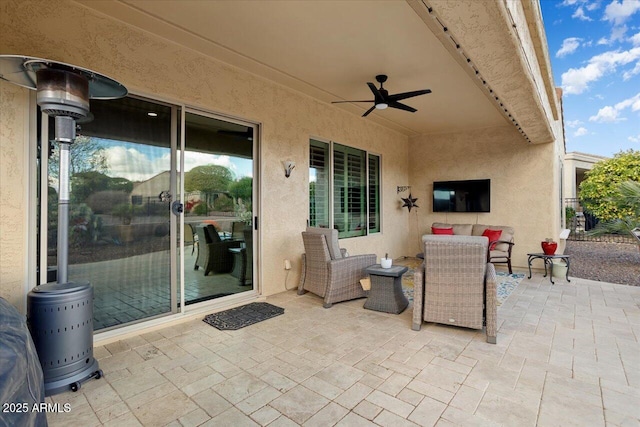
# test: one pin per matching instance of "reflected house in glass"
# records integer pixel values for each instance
(149, 190)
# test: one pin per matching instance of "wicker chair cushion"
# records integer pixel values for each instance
(499, 254)
(331, 236)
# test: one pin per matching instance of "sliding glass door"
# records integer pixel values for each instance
(120, 230)
(133, 162)
(218, 206)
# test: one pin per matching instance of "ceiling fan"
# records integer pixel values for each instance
(382, 99)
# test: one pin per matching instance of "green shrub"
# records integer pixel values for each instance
(599, 190)
(124, 211)
(200, 209)
(102, 202)
(84, 226)
(223, 203)
(569, 212)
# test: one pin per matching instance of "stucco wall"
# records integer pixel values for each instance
(14, 118)
(160, 69)
(524, 194)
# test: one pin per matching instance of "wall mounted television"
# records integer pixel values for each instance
(462, 196)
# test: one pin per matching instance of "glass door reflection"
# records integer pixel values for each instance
(218, 207)
(120, 228)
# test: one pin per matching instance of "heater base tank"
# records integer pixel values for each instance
(60, 318)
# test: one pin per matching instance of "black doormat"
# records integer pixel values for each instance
(245, 315)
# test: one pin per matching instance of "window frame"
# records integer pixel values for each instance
(330, 149)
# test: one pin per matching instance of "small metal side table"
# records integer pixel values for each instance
(548, 260)
(386, 289)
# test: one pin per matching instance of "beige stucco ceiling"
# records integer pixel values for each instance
(328, 50)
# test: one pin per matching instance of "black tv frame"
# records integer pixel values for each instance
(472, 196)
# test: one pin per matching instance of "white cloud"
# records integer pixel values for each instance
(618, 11)
(606, 114)
(579, 14)
(569, 46)
(609, 114)
(580, 6)
(617, 34)
(135, 165)
(635, 39)
(193, 159)
(634, 138)
(580, 132)
(577, 80)
(593, 6)
(573, 123)
(628, 74)
(633, 102)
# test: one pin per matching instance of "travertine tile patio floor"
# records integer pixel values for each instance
(566, 355)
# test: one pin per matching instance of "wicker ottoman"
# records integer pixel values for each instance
(386, 289)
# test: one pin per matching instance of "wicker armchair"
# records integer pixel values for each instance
(326, 272)
(456, 285)
(213, 253)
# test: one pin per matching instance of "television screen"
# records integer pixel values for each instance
(462, 196)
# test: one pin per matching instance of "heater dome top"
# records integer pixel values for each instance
(21, 70)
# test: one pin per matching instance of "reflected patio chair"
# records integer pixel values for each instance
(455, 284)
(213, 253)
(243, 259)
(327, 272)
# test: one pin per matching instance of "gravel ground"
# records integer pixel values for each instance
(605, 262)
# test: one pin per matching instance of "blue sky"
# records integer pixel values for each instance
(594, 46)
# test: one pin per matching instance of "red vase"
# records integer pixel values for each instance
(549, 248)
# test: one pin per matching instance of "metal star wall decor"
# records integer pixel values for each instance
(410, 202)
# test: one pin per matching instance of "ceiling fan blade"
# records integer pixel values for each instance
(405, 95)
(376, 93)
(368, 111)
(341, 102)
(398, 105)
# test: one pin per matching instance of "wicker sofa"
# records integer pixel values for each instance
(456, 285)
(500, 252)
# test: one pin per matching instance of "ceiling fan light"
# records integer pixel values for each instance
(381, 106)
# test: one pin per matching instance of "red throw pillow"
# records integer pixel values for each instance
(435, 230)
(493, 235)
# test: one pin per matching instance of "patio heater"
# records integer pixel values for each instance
(60, 314)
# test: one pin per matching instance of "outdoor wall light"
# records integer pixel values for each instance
(288, 167)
